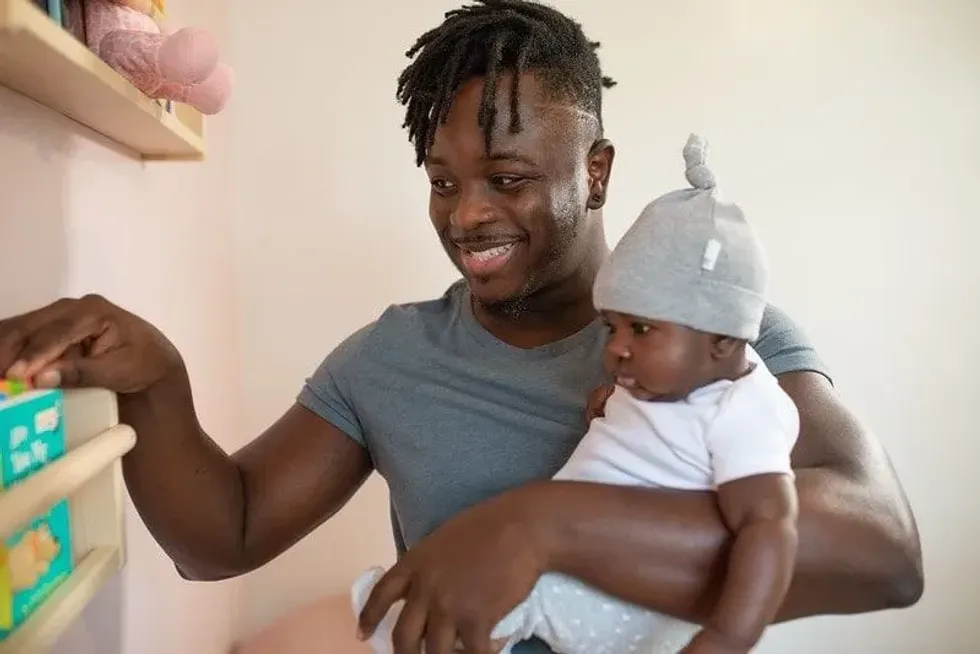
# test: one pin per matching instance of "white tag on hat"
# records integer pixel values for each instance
(711, 252)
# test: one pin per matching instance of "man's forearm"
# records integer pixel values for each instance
(188, 492)
(668, 550)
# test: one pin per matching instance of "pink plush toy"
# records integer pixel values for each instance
(182, 66)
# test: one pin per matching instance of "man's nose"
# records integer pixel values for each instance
(472, 210)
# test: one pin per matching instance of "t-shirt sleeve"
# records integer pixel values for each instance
(785, 347)
(753, 432)
(327, 393)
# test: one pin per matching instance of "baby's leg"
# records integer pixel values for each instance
(575, 618)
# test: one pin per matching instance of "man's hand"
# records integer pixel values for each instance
(461, 580)
(85, 342)
(596, 408)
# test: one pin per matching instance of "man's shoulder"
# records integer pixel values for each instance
(402, 319)
(438, 308)
(785, 347)
(406, 324)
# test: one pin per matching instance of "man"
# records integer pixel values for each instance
(466, 404)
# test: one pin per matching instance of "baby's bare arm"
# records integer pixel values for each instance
(761, 512)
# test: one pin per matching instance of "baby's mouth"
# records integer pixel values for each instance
(626, 382)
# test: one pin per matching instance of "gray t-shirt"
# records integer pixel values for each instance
(451, 416)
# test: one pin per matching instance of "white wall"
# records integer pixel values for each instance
(848, 130)
(77, 217)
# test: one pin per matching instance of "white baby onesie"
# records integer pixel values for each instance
(721, 432)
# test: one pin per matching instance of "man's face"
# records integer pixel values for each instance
(515, 221)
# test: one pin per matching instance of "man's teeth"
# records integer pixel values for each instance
(486, 255)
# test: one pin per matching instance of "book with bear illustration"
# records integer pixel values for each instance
(38, 558)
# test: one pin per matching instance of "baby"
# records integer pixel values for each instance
(693, 407)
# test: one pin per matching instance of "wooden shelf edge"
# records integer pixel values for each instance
(41, 631)
(81, 76)
(59, 479)
(178, 127)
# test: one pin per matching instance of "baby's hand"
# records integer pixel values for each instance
(596, 408)
(712, 642)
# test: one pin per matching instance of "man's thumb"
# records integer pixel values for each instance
(71, 373)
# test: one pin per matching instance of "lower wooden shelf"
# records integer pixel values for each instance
(62, 478)
(42, 630)
(89, 476)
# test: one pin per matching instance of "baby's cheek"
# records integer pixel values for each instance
(609, 360)
(663, 369)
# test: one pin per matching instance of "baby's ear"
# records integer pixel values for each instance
(722, 347)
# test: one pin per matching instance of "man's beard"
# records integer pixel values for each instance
(539, 281)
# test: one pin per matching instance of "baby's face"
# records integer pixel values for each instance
(659, 361)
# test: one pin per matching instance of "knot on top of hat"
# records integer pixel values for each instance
(695, 154)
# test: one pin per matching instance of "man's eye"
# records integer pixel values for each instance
(640, 328)
(507, 181)
(440, 184)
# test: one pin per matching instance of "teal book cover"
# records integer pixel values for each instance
(38, 558)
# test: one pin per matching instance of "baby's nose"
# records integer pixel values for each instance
(619, 348)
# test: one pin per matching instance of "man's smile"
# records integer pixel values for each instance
(485, 258)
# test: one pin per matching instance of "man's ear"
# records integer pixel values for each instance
(601, 157)
(723, 347)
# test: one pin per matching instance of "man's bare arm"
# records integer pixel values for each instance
(217, 515)
(858, 542)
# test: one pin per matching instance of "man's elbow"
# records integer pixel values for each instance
(217, 568)
(879, 575)
(208, 573)
(904, 584)
(906, 591)
(894, 567)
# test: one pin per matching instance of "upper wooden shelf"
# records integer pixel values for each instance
(44, 62)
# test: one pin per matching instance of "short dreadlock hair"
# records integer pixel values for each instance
(486, 40)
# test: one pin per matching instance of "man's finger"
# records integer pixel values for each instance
(476, 638)
(16, 331)
(74, 372)
(390, 588)
(13, 338)
(50, 342)
(440, 635)
(410, 628)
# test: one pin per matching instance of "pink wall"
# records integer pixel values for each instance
(77, 217)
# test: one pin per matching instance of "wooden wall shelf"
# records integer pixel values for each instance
(44, 62)
(90, 476)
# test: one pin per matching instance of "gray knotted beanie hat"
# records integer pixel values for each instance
(689, 259)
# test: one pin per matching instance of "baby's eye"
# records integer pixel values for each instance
(640, 328)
